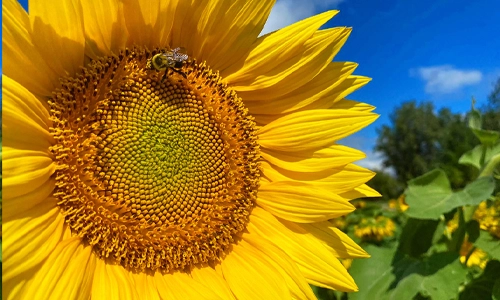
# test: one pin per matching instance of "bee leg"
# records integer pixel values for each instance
(179, 72)
(164, 75)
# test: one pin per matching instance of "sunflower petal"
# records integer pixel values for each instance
(36, 230)
(210, 278)
(312, 129)
(273, 49)
(230, 30)
(104, 26)
(24, 175)
(352, 105)
(339, 243)
(315, 55)
(314, 260)
(112, 282)
(337, 180)
(295, 281)
(62, 276)
(313, 161)
(243, 263)
(182, 286)
(301, 202)
(351, 84)
(22, 60)
(11, 206)
(25, 120)
(149, 23)
(313, 90)
(57, 32)
(145, 285)
(362, 191)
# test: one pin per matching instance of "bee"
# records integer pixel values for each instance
(169, 60)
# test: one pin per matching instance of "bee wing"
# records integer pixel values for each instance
(180, 54)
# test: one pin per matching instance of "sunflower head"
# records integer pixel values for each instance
(163, 149)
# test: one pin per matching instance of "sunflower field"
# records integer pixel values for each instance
(432, 242)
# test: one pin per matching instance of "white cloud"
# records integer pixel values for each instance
(286, 12)
(446, 79)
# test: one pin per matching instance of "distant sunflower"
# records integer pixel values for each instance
(488, 216)
(135, 170)
(375, 229)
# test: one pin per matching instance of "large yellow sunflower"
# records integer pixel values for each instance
(133, 172)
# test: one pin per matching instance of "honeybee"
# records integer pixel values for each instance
(169, 60)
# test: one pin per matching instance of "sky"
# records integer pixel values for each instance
(443, 51)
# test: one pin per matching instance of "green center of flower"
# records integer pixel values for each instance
(154, 172)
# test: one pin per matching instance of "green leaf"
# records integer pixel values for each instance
(417, 236)
(482, 287)
(374, 275)
(488, 244)
(479, 155)
(474, 119)
(385, 276)
(438, 277)
(496, 290)
(430, 195)
(487, 137)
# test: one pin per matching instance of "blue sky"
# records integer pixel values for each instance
(444, 51)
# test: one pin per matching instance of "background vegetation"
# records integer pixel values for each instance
(435, 232)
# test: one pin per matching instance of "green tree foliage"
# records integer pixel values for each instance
(419, 140)
(491, 112)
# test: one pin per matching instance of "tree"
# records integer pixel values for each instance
(408, 145)
(491, 112)
(419, 140)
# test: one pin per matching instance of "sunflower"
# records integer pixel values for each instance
(165, 150)
(375, 229)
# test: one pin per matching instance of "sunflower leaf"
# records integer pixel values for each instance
(430, 195)
(396, 277)
(488, 244)
(479, 155)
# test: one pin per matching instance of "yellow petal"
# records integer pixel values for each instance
(64, 274)
(181, 286)
(145, 285)
(29, 239)
(57, 31)
(308, 130)
(210, 278)
(337, 180)
(351, 84)
(275, 48)
(11, 206)
(22, 60)
(352, 105)
(328, 79)
(313, 161)
(112, 281)
(149, 23)
(301, 202)
(25, 175)
(362, 191)
(104, 26)
(25, 120)
(315, 55)
(295, 281)
(229, 31)
(314, 260)
(335, 240)
(244, 263)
